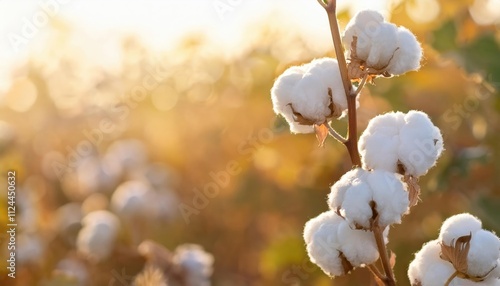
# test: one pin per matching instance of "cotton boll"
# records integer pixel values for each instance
(356, 206)
(97, 237)
(428, 267)
(410, 139)
(338, 190)
(363, 25)
(421, 143)
(323, 246)
(311, 97)
(305, 90)
(132, 198)
(196, 262)
(483, 253)
(457, 226)
(383, 46)
(30, 249)
(358, 246)
(67, 216)
(314, 224)
(358, 193)
(408, 55)
(390, 196)
(96, 242)
(282, 93)
(380, 140)
(328, 71)
(385, 146)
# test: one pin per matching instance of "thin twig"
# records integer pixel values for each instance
(322, 3)
(374, 270)
(335, 134)
(379, 239)
(361, 85)
(451, 278)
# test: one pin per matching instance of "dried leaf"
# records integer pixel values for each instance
(392, 259)
(375, 216)
(297, 117)
(378, 281)
(346, 265)
(457, 253)
(413, 189)
(401, 168)
(334, 110)
(321, 133)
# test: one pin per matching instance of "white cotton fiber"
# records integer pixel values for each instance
(408, 55)
(97, 237)
(356, 205)
(358, 190)
(132, 199)
(428, 268)
(358, 246)
(421, 143)
(390, 194)
(457, 226)
(392, 138)
(338, 190)
(313, 224)
(483, 253)
(381, 46)
(305, 89)
(364, 26)
(196, 262)
(323, 244)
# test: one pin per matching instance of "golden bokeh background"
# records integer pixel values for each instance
(183, 116)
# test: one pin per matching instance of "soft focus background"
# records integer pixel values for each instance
(94, 93)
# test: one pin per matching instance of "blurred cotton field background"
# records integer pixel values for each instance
(133, 121)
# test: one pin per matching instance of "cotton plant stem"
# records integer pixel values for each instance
(351, 142)
(384, 257)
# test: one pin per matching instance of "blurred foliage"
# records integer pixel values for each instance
(206, 111)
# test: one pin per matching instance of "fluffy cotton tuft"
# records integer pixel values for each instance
(329, 238)
(359, 190)
(483, 256)
(408, 55)
(483, 253)
(132, 198)
(457, 226)
(305, 89)
(428, 268)
(381, 46)
(338, 190)
(397, 138)
(320, 234)
(359, 247)
(197, 263)
(97, 237)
